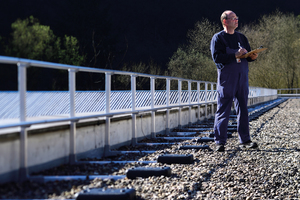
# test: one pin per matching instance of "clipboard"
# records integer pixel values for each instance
(260, 49)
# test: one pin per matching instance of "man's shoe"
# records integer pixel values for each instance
(248, 145)
(220, 147)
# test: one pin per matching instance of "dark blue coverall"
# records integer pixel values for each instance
(232, 84)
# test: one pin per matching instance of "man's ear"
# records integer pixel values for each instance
(224, 21)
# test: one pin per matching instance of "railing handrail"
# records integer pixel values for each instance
(288, 89)
(280, 90)
(44, 64)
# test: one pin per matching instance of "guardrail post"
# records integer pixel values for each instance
(179, 104)
(190, 101)
(168, 104)
(22, 87)
(198, 101)
(212, 98)
(152, 88)
(133, 104)
(107, 110)
(205, 101)
(72, 89)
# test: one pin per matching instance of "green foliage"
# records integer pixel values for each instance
(192, 64)
(70, 53)
(279, 66)
(32, 40)
(194, 60)
(142, 83)
(199, 38)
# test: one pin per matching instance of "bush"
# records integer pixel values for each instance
(34, 41)
(279, 65)
(194, 61)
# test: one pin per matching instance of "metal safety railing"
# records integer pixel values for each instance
(288, 92)
(23, 123)
(23, 64)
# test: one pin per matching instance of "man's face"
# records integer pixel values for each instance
(232, 21)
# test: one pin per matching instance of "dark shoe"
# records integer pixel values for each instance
(248, 145)
(220, 147)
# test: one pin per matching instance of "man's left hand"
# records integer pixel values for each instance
(253, 56)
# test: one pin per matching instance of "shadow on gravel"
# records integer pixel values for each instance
(279, 150)
(220, 165)
(272, 117)
(234, 153)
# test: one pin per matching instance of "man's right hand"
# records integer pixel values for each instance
(240, 52)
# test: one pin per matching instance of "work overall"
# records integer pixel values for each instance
(232, 85)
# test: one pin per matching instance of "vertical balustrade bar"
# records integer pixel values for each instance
(168, 104)
(72, 89)
(107, 110)
(212, 99)
(22, 87)
(198, 101)
(133, 104)
(179, 103)
(152, 88)
(190, 101)
(205, 101)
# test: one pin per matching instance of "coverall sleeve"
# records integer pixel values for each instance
(218, 51)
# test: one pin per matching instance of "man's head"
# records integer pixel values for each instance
(229, 19)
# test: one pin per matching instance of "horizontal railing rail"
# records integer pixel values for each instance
(289, 92)
(194, 97)
(285, 91)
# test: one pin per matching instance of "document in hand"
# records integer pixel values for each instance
(260, 49)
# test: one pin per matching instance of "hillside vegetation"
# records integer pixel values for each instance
(158, 37)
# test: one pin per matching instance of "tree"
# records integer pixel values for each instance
(199, 38)
(142, 83)
(70, 53)
(192, 64)
(34, 41)
(279, 66)
(194, 61)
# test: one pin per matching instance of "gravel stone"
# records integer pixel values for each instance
(268, 172)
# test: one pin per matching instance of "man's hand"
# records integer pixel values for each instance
(253, 56)
(240, 52)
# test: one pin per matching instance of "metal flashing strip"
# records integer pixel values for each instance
(35, 199)
(115, 162)
(205, 139)
(76, 177)
(153, 144)
(197, 129)
(127, 152)
(183, 133)
(187, 133)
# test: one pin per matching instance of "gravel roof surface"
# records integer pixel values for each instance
(268, 172)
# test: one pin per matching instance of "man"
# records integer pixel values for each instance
(226, 48)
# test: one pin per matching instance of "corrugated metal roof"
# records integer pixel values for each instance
(53, 103)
